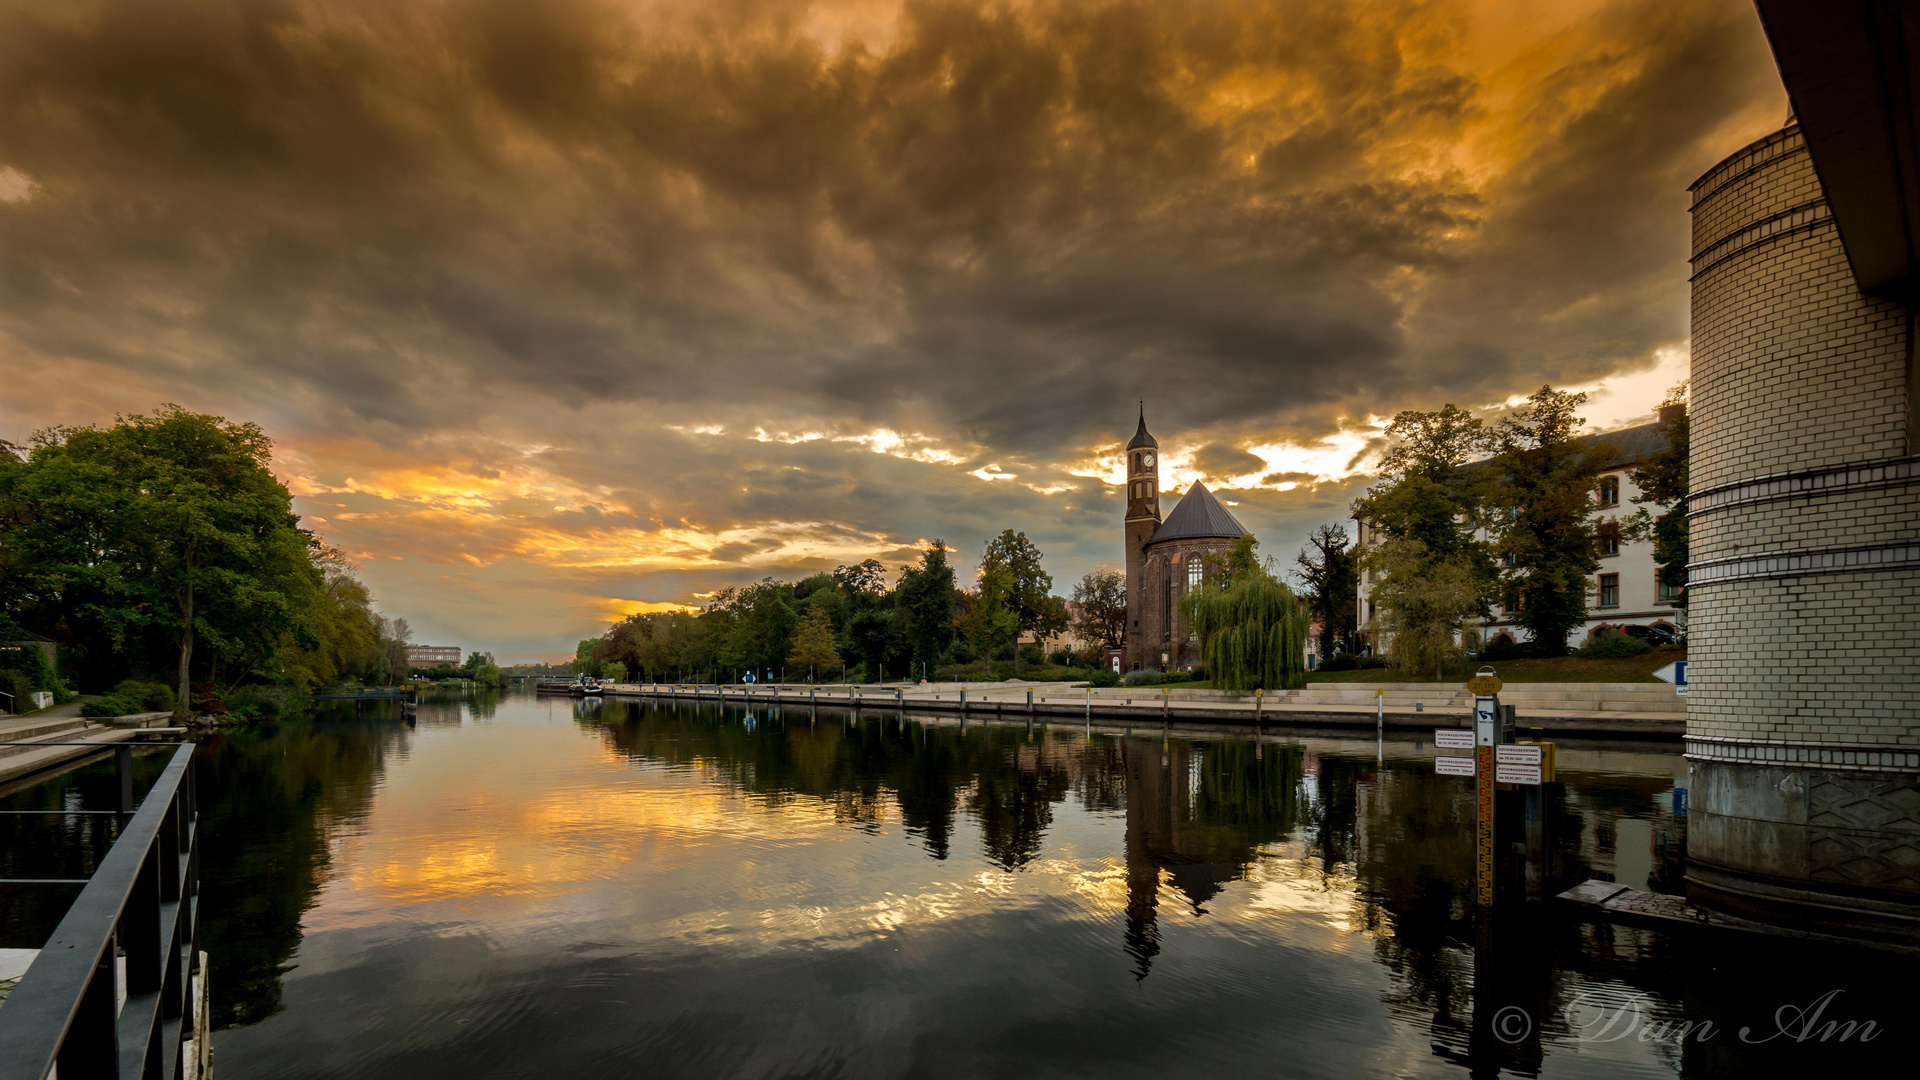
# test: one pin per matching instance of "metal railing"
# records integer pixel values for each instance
(113, 991)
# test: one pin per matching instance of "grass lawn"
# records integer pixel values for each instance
(1560, 669)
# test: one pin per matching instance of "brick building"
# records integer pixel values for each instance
(1166, 559)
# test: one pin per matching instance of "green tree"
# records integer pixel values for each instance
(813, 646)
(343, 632)
(587, 660)
(1664, 483)
(928, 599)
(1422, 604)
(1100, 608)
(1252, 629)
(1542, 499)
(481, 670)
(170, 524)
(1027, 586)
(987, 613)
(1329, 567)
(1425, 508)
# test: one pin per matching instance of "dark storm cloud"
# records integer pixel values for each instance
(455, 230)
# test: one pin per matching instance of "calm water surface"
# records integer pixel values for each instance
(523, 887)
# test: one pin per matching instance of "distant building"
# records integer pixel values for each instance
(1166, 559)
(1625, 591)
(426, 656)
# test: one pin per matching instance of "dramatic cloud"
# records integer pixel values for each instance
(559, 309)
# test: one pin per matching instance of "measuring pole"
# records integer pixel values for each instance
(1486, 734)
(1379, 728)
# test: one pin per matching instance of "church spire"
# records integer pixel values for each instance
(1141, 438)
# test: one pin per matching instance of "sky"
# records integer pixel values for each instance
(562, 311)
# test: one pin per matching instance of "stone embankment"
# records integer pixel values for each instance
(1637, 710)
(30, 745)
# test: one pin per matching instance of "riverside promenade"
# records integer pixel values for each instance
(32, 744)
(1631, 710)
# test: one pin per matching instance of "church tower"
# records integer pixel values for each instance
(1143, 517)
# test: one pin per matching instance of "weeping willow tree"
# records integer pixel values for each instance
(1252, 631)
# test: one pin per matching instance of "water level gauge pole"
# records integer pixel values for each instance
(1379, 728)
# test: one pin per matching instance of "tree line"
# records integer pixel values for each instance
(1471, 515)
(163, 548)
(860, 622)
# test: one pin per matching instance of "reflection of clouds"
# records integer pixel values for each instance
(1290, 879)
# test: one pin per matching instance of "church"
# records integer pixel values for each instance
(1166, 559)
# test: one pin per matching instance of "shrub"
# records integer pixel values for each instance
(114, 704)
(1103, 677)
(1341, 662)
(1030, 654)
(1610, 644)
(1143, 678)
(152, 696)
(251, 703)
(1367, 663)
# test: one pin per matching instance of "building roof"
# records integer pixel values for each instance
(1140, 437)
(1630, 446)
(1199, 515)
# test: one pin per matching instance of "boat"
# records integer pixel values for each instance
(585, 686)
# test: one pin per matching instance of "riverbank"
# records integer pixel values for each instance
(1633, 710)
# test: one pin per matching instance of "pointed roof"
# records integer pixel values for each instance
(1198, 515)
(1140, 437)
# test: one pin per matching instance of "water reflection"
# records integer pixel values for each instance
(522, 885)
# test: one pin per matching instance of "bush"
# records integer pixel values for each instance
(1031, 655)
(1103, 677)
(1143, 678)
(251, 703)
(1610, 644)
(111, 705)
(152, 696)
(1341, 662)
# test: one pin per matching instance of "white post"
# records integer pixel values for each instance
(1379, 728)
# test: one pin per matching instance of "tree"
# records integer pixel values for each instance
(170, 524)
(586, 659)
(927, 597)
(1252, 629)
(1329, 567)
(813, 646)
(1542, 497)
(1027, 585)
(1422, 604)
(1100, 608)
(987, 614)
(1424, 509)
(481, 670)
(1664, 482)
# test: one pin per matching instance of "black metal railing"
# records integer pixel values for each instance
(111, 993)
(363, 693)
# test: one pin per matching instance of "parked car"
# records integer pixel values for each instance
(1652, 635)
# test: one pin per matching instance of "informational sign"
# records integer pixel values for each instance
(1679, 802)
(1486, 721)
(1448, 738)
(1519, 754)
(1512, 773)
(1675, 673)
(1453, 766)
(1484, 686)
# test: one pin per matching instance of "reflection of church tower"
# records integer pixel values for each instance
(1143, 517)
(1148, 819)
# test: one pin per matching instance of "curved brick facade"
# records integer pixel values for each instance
(1802, 725)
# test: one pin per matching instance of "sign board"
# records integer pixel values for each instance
(1675, 673)
(1484, 686)
(1453, 766)
(1509, 773)
(1679, 802)
(1519, 754)
(1449, 738)
(1486, 721)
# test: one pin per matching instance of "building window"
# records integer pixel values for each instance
(1196, 573)
(1607, 539)
(1669, 592)
(1609, 491)
(1609, 590)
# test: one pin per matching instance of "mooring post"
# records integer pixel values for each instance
(963, 701)
(1259, 701)
(1166, 703)
(1029, 701)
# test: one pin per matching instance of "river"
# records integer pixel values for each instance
(532, 887)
